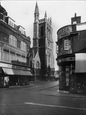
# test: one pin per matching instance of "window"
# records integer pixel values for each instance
(11, 56)
(5, 55)
(74, 22)
(12, 40)
(11, 22)
(23, 59)
(22, 30)
(23, 46)
(18, 57)
(18, 44)
(37, 65)
(57, 51)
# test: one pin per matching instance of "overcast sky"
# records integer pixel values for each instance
(60, 11)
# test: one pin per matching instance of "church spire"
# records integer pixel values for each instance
(36, 9)
(36, 13)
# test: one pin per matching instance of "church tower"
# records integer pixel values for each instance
(36, 57)
(42, 46)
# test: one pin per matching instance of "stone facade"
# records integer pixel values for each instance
(43, 44)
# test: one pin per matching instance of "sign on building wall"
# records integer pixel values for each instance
(67, 44)
(81, 26)
(65, 31)
(80, 62)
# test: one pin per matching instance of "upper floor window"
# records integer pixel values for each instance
(23, 46)
(2, 17)
(11, 22)
(22, 30)
(57, 51)
(12, 40)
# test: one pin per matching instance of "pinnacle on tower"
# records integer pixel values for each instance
(50, 20)
(45, 15)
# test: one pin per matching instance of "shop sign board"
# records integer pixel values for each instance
(65, 31)
(81, 26)
(67, 44)
(66, 59)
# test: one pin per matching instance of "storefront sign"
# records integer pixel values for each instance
(66, 59)
(67, 44)
(65, 31)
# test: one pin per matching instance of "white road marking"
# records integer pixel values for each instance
(45, 105)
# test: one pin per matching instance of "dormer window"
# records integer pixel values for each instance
(22, 30)
(2, 17)
(3, 11)
(11, 22)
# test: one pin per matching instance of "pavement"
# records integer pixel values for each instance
(54, 91)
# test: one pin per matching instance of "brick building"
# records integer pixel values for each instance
(14, 52)
(71, 56)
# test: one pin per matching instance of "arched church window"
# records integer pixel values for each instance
(37, 65)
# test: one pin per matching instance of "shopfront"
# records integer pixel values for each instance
(67, 69)
(12, 76)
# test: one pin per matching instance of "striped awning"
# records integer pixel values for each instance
(10, 71)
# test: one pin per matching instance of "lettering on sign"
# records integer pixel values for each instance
(67, 44)
(65, 31)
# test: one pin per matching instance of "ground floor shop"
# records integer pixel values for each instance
(72, 77)
(74, 82)
(14, 76)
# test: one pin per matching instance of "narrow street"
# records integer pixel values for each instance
(40, 98)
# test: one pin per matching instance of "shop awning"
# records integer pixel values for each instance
(9, 71)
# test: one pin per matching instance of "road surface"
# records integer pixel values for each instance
(38, 99)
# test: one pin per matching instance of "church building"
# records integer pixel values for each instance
(43, 58)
